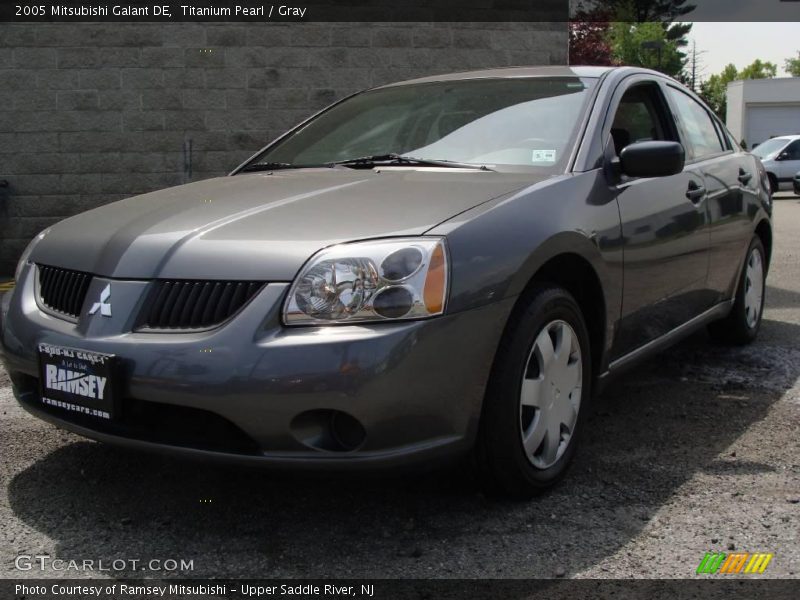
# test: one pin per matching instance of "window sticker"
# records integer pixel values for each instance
(544, 156)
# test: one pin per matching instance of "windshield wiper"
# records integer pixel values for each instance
(270, 166)
(368, 162)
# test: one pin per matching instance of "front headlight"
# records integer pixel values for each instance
(381, 280)
(27, 253)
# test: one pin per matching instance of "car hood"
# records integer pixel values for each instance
(262, 226)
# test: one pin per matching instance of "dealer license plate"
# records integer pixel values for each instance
(77, 381)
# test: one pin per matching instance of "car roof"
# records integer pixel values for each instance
(520, 72)
(788, 138)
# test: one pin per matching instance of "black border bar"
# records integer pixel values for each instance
(267, 11)
(270, 11)
(711, 588)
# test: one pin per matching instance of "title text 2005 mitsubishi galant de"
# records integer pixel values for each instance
(427, 270)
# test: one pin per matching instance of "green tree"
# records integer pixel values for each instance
(613, 31)
(714, 89)
(654, 10)
(759, 70)
(645, 45)
(792, 65)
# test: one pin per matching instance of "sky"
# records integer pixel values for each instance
(742, 43)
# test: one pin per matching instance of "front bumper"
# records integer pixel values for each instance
(244, 391)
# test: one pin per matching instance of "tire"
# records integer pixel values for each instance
(743, 322)
(773, 183)
(527, 368)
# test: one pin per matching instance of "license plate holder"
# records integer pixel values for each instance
(80, 382)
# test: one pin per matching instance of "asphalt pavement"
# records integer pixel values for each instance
(694, 451)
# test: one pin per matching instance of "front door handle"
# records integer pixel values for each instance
(695, 193)
(744, 176)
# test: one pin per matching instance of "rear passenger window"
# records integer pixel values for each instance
(697, 124)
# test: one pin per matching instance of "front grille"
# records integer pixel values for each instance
(62, 290)
(182, 304)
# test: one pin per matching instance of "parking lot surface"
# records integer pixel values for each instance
(695, 451)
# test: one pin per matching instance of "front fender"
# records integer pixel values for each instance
(498, 247)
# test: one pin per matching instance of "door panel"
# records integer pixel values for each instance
(730, 225)
(728, 176)
(787, 170)
(789, 162)
(665, 248)
(665, 232)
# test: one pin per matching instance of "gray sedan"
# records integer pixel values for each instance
(424, 271)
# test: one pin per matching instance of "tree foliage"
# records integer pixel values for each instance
(759, 70)
(645, 45)
(714, 89)
(606, 32)
(792, 65)
(665, 11)
(588, 39)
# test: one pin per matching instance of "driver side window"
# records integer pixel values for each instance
(639, 117)
(792, 151)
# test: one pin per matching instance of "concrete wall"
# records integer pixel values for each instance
(734, 111)
(91, 113)
(778, 93)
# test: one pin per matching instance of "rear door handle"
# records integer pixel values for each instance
(744, 176)
(695, 193)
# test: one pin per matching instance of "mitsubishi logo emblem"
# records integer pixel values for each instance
(103, 306)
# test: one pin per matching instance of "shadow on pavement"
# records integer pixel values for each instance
(782, 298)
(650, 432)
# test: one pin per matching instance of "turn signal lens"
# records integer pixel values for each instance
(382, 280)
(436, 281)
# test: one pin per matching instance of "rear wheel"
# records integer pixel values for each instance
(743, 322)
(537, 397)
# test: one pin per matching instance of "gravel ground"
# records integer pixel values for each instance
(696, 450)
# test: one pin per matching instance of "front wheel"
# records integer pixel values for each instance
(773, 183)
(537, 397)
(743, 322)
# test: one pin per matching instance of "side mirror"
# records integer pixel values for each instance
(782, 156)
(651, 159)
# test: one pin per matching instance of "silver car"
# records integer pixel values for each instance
(444, 267)
(781, 159)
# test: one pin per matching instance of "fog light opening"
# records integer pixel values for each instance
(328, 430)
(347, 431)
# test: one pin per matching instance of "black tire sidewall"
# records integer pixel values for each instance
(739, 304)
(501, 419)
(733, 328)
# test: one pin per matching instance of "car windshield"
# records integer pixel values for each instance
(764, 149)
(530, 122)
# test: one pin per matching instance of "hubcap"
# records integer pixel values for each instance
(753, 288)
(550, 396)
